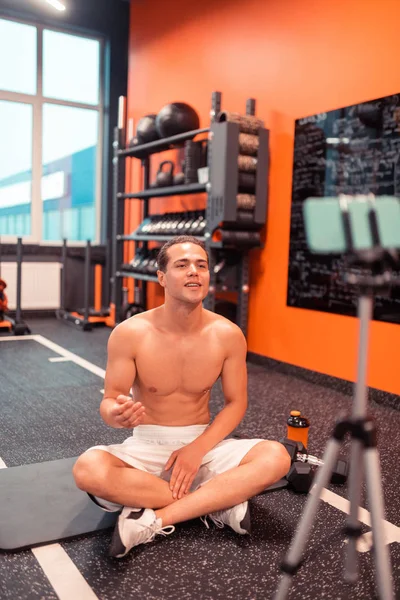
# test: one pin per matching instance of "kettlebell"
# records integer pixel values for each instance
(165, 178)
(179, 179)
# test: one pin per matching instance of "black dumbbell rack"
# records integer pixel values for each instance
(229, 262)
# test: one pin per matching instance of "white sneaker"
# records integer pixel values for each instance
(237, 517)
(136, 527)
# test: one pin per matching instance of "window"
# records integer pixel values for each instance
(70, 68)
(50, 143)
(69, 203)
(18, 71)
(15, 168)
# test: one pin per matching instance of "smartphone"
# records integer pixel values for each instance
(325, 228)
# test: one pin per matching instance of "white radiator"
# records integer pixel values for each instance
(40, 285)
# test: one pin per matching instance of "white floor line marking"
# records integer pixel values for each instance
(57, 359)
(17, 338)
(85, 364)
(62, 573)
(392, 532)
(364, 544)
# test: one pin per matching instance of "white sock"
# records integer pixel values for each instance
(112, 506)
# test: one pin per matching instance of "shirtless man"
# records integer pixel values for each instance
(177, 465)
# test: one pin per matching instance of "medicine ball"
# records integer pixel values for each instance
(176, 118)
(146, 131)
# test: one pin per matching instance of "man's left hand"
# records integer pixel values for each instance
(187, 462)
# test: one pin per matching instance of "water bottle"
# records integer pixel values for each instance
(298, 427)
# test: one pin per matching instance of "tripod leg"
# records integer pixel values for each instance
(375, 501)
(292, 562)
(353, 524)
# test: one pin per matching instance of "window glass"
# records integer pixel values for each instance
(70, 67)
(15, 168)
(70, 137)
(18, 51)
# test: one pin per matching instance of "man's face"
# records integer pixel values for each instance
(187, 276)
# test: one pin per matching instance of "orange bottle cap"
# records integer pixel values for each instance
(295, 413)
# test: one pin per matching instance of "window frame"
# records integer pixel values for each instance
(37, 102)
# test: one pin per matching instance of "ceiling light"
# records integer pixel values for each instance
(56, 4)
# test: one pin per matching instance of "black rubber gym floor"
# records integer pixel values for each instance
(50, 410)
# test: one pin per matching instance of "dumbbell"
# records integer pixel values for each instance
(174, 225)
(157, 229)
(148, 228)
(300, 476)
(165, 224)
(198, 223)
(180, 228)
(143, 267)
(197, 226)
(299, 479)
(144, 225)
(189, 223)
(134, 263)
(298, 454)
(152, 265)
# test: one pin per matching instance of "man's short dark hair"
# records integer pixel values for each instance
(162, 257)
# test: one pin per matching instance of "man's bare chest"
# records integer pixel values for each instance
(185, 366)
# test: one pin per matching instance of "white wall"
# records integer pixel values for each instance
(40, 287)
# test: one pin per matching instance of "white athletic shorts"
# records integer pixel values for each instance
(150, 446)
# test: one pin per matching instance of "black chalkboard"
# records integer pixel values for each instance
(351, 150)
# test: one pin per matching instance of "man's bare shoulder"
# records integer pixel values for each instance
(141, 321)
(226, 330)
(133, 328)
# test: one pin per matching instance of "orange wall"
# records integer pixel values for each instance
(296, 57)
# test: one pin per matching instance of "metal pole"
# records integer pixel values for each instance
(106, 294)
(19, 279)
(87, 280)
(114, 219)
(365, 307)
(359, 410)
(376, 505)
(63, 273)
(209, 301)
(243, 296)
(146, 186)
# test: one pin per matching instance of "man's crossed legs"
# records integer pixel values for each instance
(149, 506)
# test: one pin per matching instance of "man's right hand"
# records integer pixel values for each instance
(126, 413)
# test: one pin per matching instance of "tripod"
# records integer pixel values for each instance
(363, 446)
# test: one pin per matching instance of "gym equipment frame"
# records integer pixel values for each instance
(224, 235)
(16, 325)
(87, 317)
